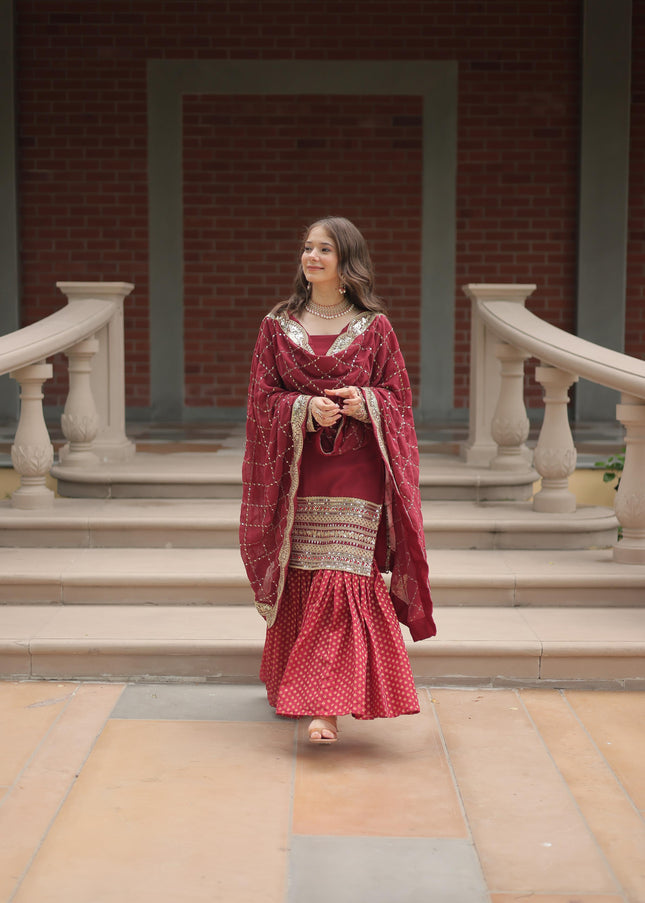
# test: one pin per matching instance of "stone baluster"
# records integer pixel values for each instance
(485, 378)
(108, 369)
(80, 420)
(555, 455)
(32, 453)
(630, 498)
(510, 425)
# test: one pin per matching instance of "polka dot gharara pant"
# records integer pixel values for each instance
(336, 648)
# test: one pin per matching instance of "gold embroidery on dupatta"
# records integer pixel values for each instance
(300, 337)
(337, 534)
(298, 418)
(356, 327)
(294, 331)
(266, 611)
(375, 414)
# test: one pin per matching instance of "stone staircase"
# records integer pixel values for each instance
(138, 576)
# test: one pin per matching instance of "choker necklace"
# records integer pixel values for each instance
(329, 312)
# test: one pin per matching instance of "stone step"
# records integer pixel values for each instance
(124, 523)
(578, 647)
(213, 523)
(203, 475)
(216, 577)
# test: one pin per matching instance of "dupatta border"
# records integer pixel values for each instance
(293, 330)
(354, 328)
(375, 415)
(297, 333)
(298, 419)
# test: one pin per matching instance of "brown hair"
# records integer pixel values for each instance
(354, 268)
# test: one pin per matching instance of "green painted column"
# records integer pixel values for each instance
(169, 80)
(604, 183)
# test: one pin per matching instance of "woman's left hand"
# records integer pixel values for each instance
(353, 403)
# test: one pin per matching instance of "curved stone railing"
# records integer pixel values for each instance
(89, 330)
(503, 335)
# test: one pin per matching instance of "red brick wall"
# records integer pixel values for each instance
(82, 166)
(82, 121)
(517, 164)
(257, 171)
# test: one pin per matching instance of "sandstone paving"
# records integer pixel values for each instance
(616, 732)
(198, 792)
(591, 766)
(364, 789)
(28, 710)
(172, 811)
(555, 898)
(527, 828)
(42, 781)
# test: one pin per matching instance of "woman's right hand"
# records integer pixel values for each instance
(324, 411)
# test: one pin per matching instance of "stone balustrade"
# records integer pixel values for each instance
(90, 331)
(503, 335)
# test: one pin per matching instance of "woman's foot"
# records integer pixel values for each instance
(323, 730)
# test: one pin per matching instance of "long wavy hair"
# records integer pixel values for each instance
(354, 268)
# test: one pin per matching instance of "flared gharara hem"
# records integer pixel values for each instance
(336, 648)
(359, 717)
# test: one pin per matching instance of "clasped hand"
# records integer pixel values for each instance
(327, 412)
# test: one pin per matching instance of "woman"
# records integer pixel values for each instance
(331, 495)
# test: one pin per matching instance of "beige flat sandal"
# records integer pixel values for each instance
(318, 725)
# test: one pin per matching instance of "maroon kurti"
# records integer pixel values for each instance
(286, 372)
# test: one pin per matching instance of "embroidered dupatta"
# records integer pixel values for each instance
(285, 374)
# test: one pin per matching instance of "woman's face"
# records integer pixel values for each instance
(320, 258)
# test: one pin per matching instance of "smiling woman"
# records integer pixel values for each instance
(331, 494)
(319, 247)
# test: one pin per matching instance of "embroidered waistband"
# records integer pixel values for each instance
(334, 534)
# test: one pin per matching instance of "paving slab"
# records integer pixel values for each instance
(383, 870)
(617, 732)
(42, 784)
(164, 792)
(575, 729)
(527, 828)
(195, 702)
(165, 811)
(366, 791)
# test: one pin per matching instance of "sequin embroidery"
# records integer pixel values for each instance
(334, 534)
(299, 336)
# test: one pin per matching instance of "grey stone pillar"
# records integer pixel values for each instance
(604, 177)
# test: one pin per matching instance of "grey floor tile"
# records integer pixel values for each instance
(195, 702)
(384, 870)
